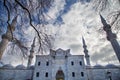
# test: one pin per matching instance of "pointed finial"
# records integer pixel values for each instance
(106, 26)
(103, 20)
(33, 44)
(83, 40)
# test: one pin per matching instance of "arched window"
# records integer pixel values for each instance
(39, 63)
(109, 75)
(80, 63)
(72, 63)
(46, 74)
(82, 74)
(37, 74)
(47, 63)
(73, 74)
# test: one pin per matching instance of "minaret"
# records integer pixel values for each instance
(31, 54)
(86, 52)
(111, 37)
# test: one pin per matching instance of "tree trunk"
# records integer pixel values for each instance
(3, 45)
(7, 36)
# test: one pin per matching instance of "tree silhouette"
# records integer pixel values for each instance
(16, 17)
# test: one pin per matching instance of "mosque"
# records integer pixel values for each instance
(62, 65)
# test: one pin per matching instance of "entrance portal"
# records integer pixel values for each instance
(60, 75)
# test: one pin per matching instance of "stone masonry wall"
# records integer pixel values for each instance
(13, 74)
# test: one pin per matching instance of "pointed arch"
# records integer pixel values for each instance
(60, 75)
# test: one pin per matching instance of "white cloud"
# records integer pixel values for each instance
(57, 6)
(81, 20)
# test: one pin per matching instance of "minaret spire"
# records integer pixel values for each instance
(86, 52)
(31, 53)
(111, 37)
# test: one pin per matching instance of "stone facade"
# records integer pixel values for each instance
(60, 65)
(47, 66)
(103, 73)
(15, 74)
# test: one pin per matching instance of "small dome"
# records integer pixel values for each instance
(20, 67)
(8, 66)
(88, 66)
(98, 66)
(32, 67)
(1, 64)
(111, 66)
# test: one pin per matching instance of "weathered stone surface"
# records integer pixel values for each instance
(15, 74)
(60, 65)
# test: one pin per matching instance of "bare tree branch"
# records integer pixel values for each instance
(100, 5)
(43, 39)
(114, 20)
(8, 18)
(21, 46)
(26, 12)
(30, 20)
(29, 17)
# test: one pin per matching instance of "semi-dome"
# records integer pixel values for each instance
(20, 66)
(8, 66)
(111, 66)
(98, 66)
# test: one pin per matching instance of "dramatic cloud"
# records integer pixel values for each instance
(71, 19)
(82, 20)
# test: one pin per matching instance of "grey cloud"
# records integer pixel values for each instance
(104, 53)
(79, 21)
(75, 47)
(110, 58)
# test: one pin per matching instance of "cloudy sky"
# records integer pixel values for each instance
(71, 19)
